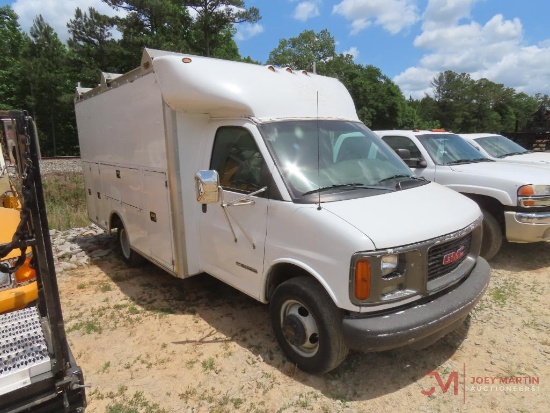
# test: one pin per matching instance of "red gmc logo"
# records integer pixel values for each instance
(453, 256)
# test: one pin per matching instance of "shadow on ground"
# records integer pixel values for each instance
(244, 321)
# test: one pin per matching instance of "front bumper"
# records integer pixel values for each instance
(527, 226)
(18, 297)
(420, 325)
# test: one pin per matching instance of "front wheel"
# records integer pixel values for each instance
(130, 257)
(492, 236)
(307, 325)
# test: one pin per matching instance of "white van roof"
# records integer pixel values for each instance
(222, 88)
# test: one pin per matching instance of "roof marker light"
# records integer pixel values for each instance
(186, 60)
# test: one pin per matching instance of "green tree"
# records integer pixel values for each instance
(453, 94)
(12, 42)
(92, 46)
(158, 24)
(306, 51)
(49, 89)
(215, 17)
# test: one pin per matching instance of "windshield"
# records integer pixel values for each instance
(500, 147)
(449, 149)
(322, 157)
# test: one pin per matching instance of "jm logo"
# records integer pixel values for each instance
(452, 379)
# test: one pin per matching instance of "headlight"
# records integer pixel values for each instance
(388, 264)
(374, 277)
(534, 196)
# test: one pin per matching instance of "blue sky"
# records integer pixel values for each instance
(411, 41)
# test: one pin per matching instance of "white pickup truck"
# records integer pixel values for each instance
(515, 199)
(500, 148)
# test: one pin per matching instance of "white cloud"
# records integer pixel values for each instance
(393, 15)
(494, 50)
(354, 51)
(246, 31)
(415, 82)
(56, 13)
(306, 10)
(444, 13)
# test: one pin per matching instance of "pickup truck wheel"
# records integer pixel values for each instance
(492, 236)
(307, 324)
(130, 257)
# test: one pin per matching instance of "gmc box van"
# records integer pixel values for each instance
(265, 178)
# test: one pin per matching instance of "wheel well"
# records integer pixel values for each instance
(116, 221)
(489, 204)
(280, 273)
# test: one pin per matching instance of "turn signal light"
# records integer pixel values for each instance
(526, 190)
(362, 280)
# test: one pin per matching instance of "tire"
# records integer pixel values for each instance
(130, 257)
(492, 236)
(307, 325)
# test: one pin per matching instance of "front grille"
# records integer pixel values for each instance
(437, 265)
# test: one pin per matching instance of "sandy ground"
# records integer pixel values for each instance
(148, 342)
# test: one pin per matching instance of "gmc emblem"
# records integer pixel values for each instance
(453, 256)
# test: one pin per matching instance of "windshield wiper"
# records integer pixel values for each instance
(400, 176)
(475, 160)
(512, 153)
(347, 186)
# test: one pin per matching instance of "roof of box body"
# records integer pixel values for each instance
(220, 88)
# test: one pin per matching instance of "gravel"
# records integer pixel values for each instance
(60, 165)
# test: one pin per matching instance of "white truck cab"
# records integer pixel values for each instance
(500, 148)
(515, 199)
(265, 178)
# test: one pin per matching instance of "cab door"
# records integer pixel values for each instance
(233, 231)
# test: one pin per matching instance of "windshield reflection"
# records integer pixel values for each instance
(332, 156)
(449, 149)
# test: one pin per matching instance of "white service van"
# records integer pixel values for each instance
(265, 178)
(515, 198)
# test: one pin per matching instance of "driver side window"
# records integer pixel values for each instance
(237, 159)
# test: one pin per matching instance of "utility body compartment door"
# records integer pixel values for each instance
(159, 225)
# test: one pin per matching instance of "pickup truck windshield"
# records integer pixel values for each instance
(450, 149)
(334, 160)
(500, 147)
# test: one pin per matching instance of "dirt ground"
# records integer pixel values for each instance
(148, 342)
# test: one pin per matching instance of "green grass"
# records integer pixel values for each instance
(65, 200)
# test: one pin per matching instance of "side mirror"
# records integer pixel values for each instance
(422, 163)
(206, 187)
(404, 154)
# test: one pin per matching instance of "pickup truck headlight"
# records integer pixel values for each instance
(534, 196)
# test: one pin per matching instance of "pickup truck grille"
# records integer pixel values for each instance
(444, 258)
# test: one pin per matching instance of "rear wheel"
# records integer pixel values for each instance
(492, 236)
(307, 325)
(130, 257)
